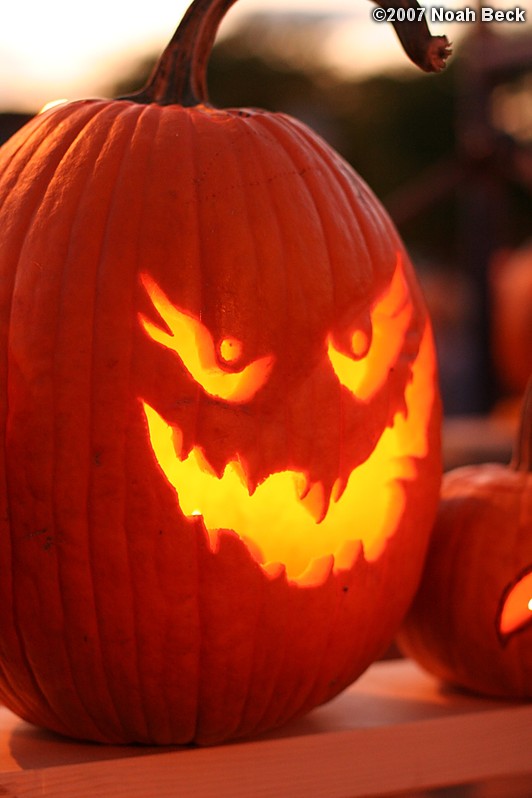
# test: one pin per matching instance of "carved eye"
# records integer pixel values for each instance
(375, 354)
(192, 342)
(230, 350)
(360, 344)
(516, 606)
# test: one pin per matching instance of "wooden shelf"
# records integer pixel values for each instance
(395, 730)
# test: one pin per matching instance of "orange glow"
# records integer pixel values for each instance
(230, 350)
(192, 343)
(360, 343)
(390, 318)
(517, 607)
(286, 522)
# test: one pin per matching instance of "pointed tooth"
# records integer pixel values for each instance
(316, 501)
(239, 468)
(253, 548)
(347, 554)
(177, 440)
(303, 485)
(275, 570)
(214, 539)
(338, 489)
(204, 464)
(252, 477)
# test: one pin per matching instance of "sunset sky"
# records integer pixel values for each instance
(63, 49)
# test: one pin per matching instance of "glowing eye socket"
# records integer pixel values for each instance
(192, 342)
(230, 350)
(516, 608)
(377, 347)
(360, 343)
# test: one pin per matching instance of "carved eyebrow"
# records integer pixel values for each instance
(390, 320)
(192, 342)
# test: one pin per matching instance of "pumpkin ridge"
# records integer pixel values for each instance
(315, 685)
(39, 183)
(251, 678)
(39, 192)
(43, 123)
(253, 134)
(14, 147)
(284, 133)
(141, 715)
(278, 674)
(366, 244)
(175, 723)
(369, 216)
(201, 260)
(62, 347)
(257, 680)
(325, 277)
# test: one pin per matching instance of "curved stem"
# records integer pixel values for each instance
(179, 77)
(428, 52)
(522, 455)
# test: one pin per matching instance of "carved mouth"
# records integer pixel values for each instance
(290, 522)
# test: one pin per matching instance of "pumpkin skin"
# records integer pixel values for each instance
(510, 282)
(124, 617)
(471, 621)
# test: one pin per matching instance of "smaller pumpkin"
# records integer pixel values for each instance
(510, 282)
(471, 620)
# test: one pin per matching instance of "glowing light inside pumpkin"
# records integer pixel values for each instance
(230, 350)
(360, 343)
(390, 319)
(516, 610)
(193, 344)
(285, 522)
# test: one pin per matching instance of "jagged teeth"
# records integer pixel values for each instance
(303, 485)
(177, 440)
(338, 489)
(316, 501)
(312, 495)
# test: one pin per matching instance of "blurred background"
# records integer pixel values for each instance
(449, 155)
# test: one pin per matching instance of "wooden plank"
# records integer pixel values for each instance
(394, 730)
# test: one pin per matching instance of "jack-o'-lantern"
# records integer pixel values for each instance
(219, 416)
(471, 621)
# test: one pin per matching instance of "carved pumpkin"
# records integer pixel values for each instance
(471, 621)
(219, 416)
(511, 323)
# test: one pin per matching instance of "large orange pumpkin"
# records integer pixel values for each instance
(218, 410)
(471, 621)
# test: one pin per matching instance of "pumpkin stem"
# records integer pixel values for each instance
(179, 77)
(429, 53)
(522, 455)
